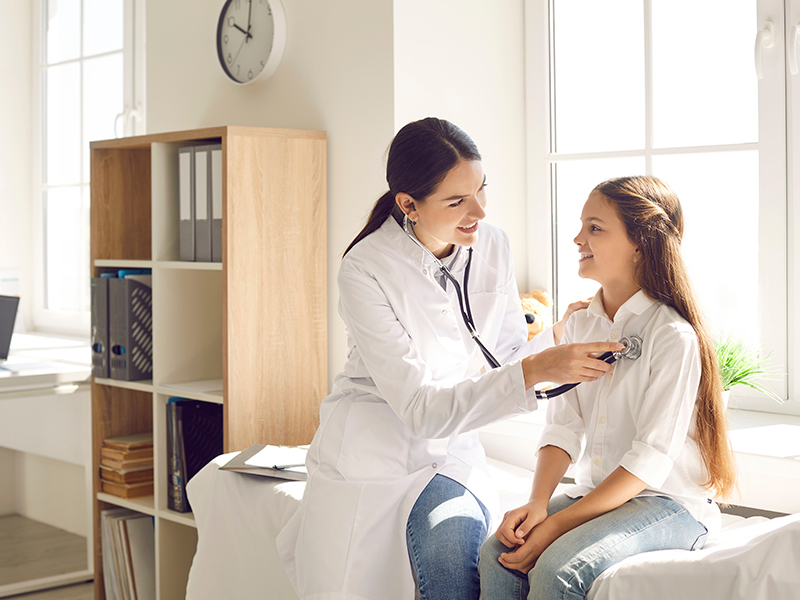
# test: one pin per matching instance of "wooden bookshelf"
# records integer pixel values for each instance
(257, 321)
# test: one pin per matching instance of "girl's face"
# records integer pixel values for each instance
(450, 215)
(606, 253)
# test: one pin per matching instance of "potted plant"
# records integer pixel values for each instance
(739, 365)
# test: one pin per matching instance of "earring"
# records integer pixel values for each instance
(635, 260)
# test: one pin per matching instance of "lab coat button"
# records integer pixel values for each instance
(444, 312)
(601, 420)
(615, 335)
(424, 271)
(434, 465)
(596, 461)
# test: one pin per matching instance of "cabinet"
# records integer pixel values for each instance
(257, 320)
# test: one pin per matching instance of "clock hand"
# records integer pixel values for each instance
(246, 33)
(233, 62)
(249, 10)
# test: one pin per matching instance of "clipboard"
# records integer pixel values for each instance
(237, 464)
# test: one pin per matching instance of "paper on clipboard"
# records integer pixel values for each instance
(241, 463)
(278, 457)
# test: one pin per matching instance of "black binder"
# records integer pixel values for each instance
(194, 437)
(100, 350)
(130, 329)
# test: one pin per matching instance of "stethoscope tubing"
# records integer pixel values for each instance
(632, 349)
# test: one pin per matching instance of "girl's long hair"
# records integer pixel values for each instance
(420, 156)
(654, 222)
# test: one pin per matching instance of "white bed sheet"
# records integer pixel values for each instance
(238, 517)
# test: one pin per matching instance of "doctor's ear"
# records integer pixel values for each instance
(406, 203)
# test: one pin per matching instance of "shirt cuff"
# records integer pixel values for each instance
(648, 464)
(561, 437)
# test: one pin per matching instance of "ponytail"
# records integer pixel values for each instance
(384, 207)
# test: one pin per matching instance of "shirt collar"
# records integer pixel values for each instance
(456, 261)
(636, 304)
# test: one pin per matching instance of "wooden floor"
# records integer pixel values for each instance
(32, 550)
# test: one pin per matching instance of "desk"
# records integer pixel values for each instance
(44, 414)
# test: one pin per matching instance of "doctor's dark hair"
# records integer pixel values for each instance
(420, 156)
(653, 219)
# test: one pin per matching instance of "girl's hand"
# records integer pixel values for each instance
(524, 557)
(518, 523)
(558, 328)
(570, 363)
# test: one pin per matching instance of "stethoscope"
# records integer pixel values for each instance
(631, 346)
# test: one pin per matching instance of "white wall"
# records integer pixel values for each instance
(336, 75)
(16, 208)
(462, 60)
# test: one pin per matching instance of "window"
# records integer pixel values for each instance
(670, 88)
(89, 81)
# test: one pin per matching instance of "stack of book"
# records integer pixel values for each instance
(126, 465)
(128, 548)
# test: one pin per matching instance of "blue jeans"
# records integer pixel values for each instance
(445, 530)
(567, 568)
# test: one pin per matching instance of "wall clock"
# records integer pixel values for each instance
(251, 35)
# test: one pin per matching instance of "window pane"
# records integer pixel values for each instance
(63, 30)
(102, 26)
(85, 256)
(62, 124)
(574, 182)
(65, 261)
(721, 244)
(704, 87)
(599, 75)
(102, 97)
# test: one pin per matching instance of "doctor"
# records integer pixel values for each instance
(398, 495)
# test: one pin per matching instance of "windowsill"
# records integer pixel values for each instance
(767, 449)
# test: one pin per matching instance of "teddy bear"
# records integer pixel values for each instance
(537, 307)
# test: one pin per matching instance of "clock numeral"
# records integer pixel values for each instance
(237, 4)
(231, 22)
(262, 64)
(225, 38)
(230, 58)
(250, 74)
(238, 68)
(269, 11)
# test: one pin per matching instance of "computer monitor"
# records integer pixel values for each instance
(8, 314)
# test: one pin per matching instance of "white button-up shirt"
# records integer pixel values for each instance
(641, 416)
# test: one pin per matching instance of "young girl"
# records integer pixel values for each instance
(649, 439)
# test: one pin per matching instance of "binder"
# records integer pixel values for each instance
(202, 204)
(186, 203)
(216, 202)
(130, 329)
(194, 437)
(100, 347)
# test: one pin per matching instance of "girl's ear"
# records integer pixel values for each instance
(405, 202)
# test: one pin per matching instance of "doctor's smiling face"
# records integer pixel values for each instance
(450, 215)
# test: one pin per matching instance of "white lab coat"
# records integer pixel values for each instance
(405, 408)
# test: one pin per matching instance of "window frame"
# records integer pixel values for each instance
(779, 174)
(132, 121)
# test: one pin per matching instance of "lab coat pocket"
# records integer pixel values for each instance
(488, 310)
(375, 444)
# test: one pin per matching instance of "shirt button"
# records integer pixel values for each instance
(601, 420)
(596, 461)
(615, 335)
(444, 312)
(434, 465)
(424, 271)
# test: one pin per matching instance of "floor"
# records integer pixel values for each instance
(31, 550)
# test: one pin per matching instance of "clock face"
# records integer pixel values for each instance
(250, 38)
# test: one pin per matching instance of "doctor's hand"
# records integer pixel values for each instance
(570, 363)
(558, 328)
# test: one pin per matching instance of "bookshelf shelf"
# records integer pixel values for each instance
(124, 264)
(144, 504)
(195, 266)
(181, 518)
(144, 385)
(244, 321)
